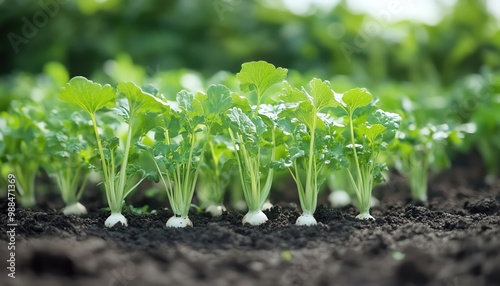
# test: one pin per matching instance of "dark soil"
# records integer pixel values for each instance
(454, 240)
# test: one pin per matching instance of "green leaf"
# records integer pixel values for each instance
(140, 101)
(185, 100)
(310, 103)
(135, 169)
(304, 114)
(388, 119)
(189, 104)
(356, 98)
(295, 153)
(241, 102)
(272, 111)
(218, 101)
(293, 94)
(88, 95)
(242, 122)
(280, 165)
(322, 94)
(259, 76)
(161, 149)
(260, 126)
(333, 155)
(169, 121)
(145, 122)
(378, 172)
(372, 131)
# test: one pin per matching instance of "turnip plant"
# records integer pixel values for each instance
(69, 153)
(314, 148)
(181, 140)
(253, 139)
(23, 145)
(418, 150)
(215, 174)
(373, 132)
(248, 140)
(216, 169)
(118, 177)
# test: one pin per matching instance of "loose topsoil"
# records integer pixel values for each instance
(454, 240)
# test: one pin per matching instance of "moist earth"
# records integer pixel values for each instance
(453, 240)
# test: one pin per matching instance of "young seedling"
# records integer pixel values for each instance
(215, 175)
(253, 139)
(69, 154)
(373, 134)
(181, 140)
(247, 137)
(313, 148)
(23, 145)
(418, 150)
(91, 97)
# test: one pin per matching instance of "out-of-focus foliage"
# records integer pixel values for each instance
(209, 36)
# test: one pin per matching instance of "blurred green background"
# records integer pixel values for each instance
(438, 41)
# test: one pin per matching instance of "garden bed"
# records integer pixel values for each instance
(453, 240)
